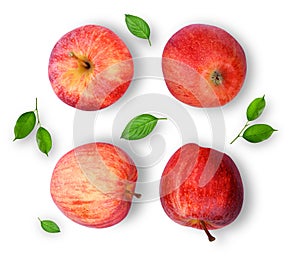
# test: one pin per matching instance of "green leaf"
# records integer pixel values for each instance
(256, 108)
(49, 226)
(138, 27)
(140, 127)
(24, 125)
(44, 141)
(258, 133)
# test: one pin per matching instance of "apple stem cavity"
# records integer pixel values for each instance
(210, 237)
(216, 78)
(83, 63)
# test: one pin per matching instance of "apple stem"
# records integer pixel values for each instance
(137, 195)
(84, 63)
(210, 237)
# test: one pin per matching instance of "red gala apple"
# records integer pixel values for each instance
(93, 184)
(203, 66)
(90, 68)
(201, 188)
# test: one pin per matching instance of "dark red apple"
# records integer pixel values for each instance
(93, 184)
(201, 188)
(203, 65)
(90, 68)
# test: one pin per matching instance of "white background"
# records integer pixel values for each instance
(268, 223)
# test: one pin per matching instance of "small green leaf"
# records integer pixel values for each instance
(138, 27)
(258, 133)
(256, 108)
(24, 125)
(49, 226)
(140, 127)
(44, 141)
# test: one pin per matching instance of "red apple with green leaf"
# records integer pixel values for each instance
(93, 184)
(204, 66)
(201, 188)
(90, 68)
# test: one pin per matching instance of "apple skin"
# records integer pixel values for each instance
(203, 66)
(90, 68)
(93, 184)
(201, 188)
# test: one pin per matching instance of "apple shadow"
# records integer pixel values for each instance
(136, 215)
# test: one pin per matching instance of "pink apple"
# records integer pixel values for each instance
(203, 65)
(93, 184)
(90, 68)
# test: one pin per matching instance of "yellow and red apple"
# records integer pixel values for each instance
(93, 184)
(90, 68)
(203, 66)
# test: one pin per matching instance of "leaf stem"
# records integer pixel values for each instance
(149, 41)
(37, 112)
(162, 118)
(240, 134)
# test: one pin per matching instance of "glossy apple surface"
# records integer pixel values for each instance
(201, 188)
(93, 184)
(204, 66)
(90, 68)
